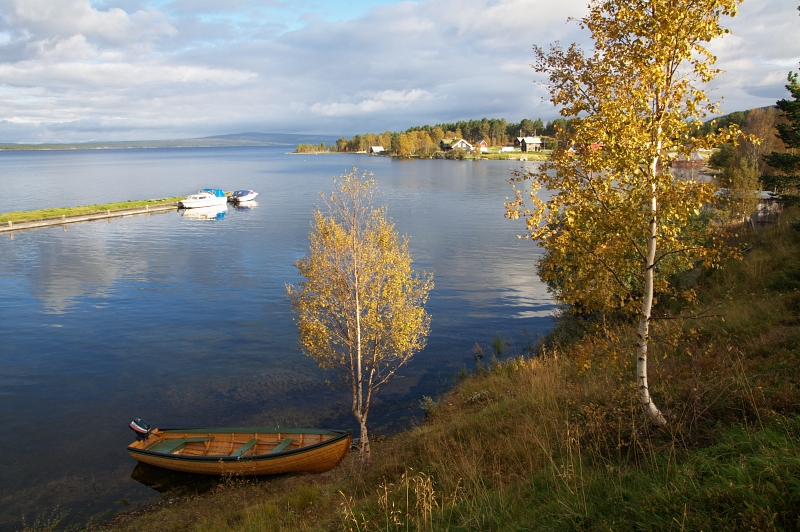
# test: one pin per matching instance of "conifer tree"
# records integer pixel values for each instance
(787, 181)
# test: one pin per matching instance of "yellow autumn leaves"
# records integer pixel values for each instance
(360, 308)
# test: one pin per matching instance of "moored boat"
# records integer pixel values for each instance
(242, 196)
(242, 451)
(208, 197)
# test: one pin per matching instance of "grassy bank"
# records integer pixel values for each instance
(515, 156)
(43, 214)
(559, 441)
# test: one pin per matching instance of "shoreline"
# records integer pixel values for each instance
(508, 156)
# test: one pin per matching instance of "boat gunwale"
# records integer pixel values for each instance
(249, 458)
(258, 430)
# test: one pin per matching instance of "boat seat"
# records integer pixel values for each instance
(281, 446)
(172, 445)
(244, 448)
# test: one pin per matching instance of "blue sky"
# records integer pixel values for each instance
(80, 70)
(292, 13)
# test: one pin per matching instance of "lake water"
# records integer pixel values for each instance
(184, 322)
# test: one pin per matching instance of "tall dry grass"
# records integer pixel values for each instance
(559, 442)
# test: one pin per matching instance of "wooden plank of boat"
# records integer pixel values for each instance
(243, 451)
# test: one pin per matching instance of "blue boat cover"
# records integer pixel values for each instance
(217, 192)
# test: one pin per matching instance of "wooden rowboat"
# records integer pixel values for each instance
(243, 451)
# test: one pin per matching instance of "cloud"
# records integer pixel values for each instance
(378, 102)
(100, 76)
(72, 70)
(65, 18)
(757, 55)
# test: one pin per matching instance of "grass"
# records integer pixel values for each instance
(517, 155)
(559, 441)
(43, 214)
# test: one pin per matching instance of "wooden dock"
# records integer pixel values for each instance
(10, 226)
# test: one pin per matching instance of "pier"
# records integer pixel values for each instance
(10, 226)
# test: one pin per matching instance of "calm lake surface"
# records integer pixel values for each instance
(184, 322)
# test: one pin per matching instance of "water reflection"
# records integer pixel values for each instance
(213, 212)
(246, 206)
(176, 483)
(64, 267)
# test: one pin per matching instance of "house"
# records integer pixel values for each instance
(455, 143)
(573, 149)
(694, 161)
(689, 168)
(483, 146)
(376, 149)
(768, 210)
(530, 144)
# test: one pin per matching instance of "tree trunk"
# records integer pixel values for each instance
(644, 320)
(365, 456)
(360, 415)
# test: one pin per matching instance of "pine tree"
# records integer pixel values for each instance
(787, 181)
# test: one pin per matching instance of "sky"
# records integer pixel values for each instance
(85, 70)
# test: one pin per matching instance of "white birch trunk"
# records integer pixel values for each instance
(359, 411)
(647, 306)
(365, 452)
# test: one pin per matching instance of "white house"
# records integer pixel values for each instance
(376, 149)
(463, 144)
(455, 143)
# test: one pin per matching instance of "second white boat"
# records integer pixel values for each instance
(242, 196)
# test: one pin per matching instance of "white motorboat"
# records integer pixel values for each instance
(208, 197)
(241, 196)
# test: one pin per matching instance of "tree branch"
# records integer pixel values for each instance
(607, 267)
(673, 253)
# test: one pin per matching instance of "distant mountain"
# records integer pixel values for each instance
(276, 139)
(238, 139)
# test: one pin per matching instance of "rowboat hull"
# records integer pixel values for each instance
(252, 451)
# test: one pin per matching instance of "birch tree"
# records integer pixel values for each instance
(360, 308)
(617, 225)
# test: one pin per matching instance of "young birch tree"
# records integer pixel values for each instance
(360, 309)
(617, 225)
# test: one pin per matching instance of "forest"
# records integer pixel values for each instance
(423, 141)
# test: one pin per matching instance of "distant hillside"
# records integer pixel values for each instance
(721, 122)
(275, 139)
(218, 141)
